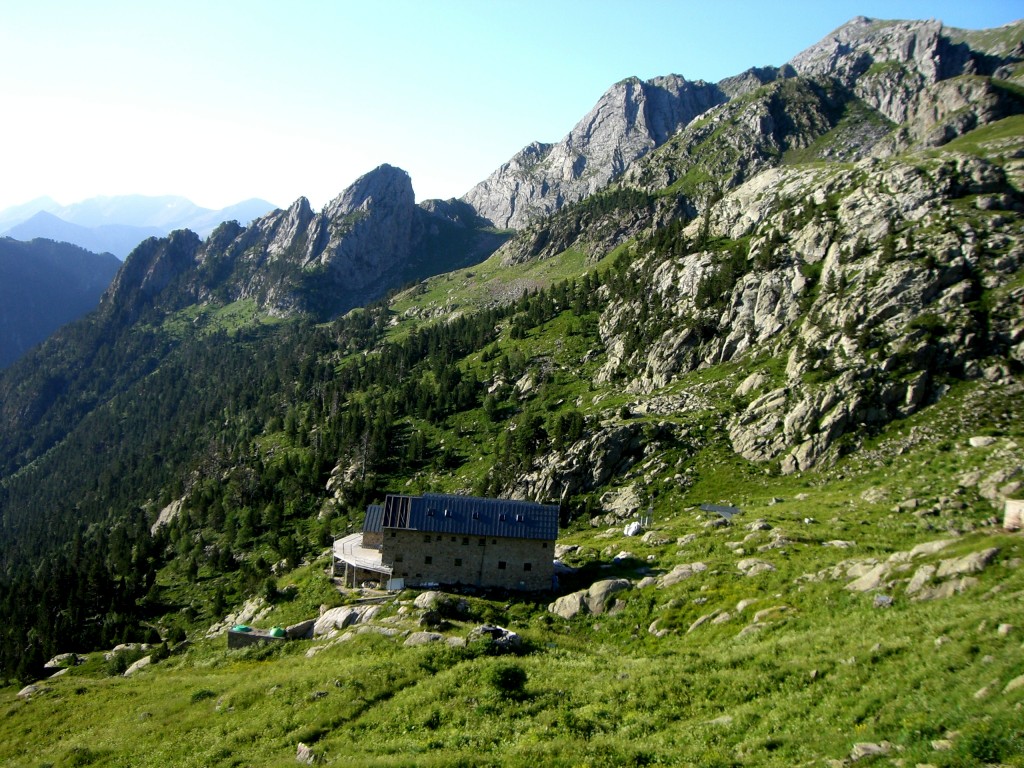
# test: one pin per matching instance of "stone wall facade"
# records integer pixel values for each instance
(432, 558)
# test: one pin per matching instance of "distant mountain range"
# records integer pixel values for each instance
(117, 224)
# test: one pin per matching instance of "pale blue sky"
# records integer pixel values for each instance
(221, 101)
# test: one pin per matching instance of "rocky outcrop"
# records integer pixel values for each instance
(148, 273)
(594, 460)
(867, 293)
(631, 118)
(928, 581)
(167, 515)
(252, 611)
(932, 78)
(341, 618)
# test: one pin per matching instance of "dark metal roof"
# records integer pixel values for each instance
(726, 512)
(374, 518)
(472, 516)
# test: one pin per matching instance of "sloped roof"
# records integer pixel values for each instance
(374, 518)
(471, 516)
(721, 509)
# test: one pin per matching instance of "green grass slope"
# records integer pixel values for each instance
(785, 667)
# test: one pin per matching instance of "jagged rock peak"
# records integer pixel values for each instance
(385, 183)
(926, 48)
(300, 207)
(895, 66)
(628, 121)
(849, 51)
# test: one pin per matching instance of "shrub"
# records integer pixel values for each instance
(987, 743)
(176, 635)
(507, 678)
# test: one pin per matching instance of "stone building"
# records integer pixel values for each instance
(437, 539)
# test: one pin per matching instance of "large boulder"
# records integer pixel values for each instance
(501, 639)
(345, 616)
(751, 566)
(142, 663)
(872, 579)
(681, 573)
(975, 562)
(301, 631)
(570, 605)
(597, 599)
(599, 596)
(428, 600)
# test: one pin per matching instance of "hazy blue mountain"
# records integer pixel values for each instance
(118, 239)
(16, 214)
(43, 285)
(164, 212)
(118, 223)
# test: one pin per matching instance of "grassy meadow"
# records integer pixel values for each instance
(786, 667)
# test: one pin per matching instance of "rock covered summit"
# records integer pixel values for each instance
(629, 120)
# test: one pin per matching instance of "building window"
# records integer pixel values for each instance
(501, 517)
(465, 540)
(453, 538)
(476, 515)
(527, 567)
(482, 542)
(458, 562)
(494, 541)
(427, 538)
(543, 545)
(430, 513)
(399, 558)
(394, 534)
(501, 565)
(428, 560)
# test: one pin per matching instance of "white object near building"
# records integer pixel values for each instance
(1013, 519)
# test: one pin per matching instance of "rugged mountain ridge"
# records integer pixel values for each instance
(934, 79)
(370, 239)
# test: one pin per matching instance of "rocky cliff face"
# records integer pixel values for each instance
(371, 238)
(631, 119)
(865, 280)
(903, 69)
